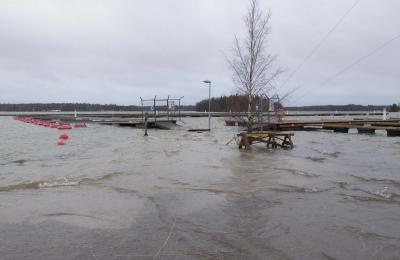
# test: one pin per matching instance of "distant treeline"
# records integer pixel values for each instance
(233, 103)
(42, 107)
(350, 107)
(238, 103)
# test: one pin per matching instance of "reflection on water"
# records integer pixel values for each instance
(112, 193)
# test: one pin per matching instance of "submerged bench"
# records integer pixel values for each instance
(270, 138)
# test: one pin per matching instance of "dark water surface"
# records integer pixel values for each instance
(111, 193)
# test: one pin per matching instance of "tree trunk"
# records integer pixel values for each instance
(249, 112)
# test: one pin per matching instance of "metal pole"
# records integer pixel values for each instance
(155, 109)
(141, 103)
(145, 124)
(179, 109)
(180, 118)
(209, 105)
(168, 107)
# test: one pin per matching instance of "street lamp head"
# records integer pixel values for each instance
(207, 81)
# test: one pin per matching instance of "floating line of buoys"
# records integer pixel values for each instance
(64, 127)
(80, 125)
(52, 124)
(62, 138)
(49, 124)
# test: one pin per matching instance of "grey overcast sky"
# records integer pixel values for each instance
(114, 51)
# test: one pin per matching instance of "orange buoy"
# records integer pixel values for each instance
(63, 136)
(61, 142)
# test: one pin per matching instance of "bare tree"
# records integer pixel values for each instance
(252, 66)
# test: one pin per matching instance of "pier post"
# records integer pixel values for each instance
(366, 130)
(155, 108)
(341, 130)
(145, 124)
(391, 132)
(384, 114)
(141, 104)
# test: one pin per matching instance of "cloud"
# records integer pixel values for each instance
(116, 51)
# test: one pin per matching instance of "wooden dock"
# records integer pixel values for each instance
(156, 124)
(363, 126)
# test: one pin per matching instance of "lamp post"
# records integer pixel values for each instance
(209, 103)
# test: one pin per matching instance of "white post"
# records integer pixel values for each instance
(75, 115)
(384, 114)
(209, 103)
(209, 106)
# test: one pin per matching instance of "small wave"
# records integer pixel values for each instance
(384, 193)
(149, 137)
(316, 159)
(302, 173)
(290, 188)
(170, 153)
(296, 172)
(342, 184)
(333, 154)
(40, 184)
(123, 190)
(367, 235)
(215, 167)
(61, 214)
(58, 183)
(381, 194)
(376, 197)
(20, 162)
(174, 181)
(105, 177)
(215, 190)
(21, 186)
(369, 179)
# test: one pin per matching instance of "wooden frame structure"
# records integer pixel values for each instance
(270, 138)
(163, 107)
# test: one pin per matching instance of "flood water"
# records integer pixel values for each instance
(112, 193)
